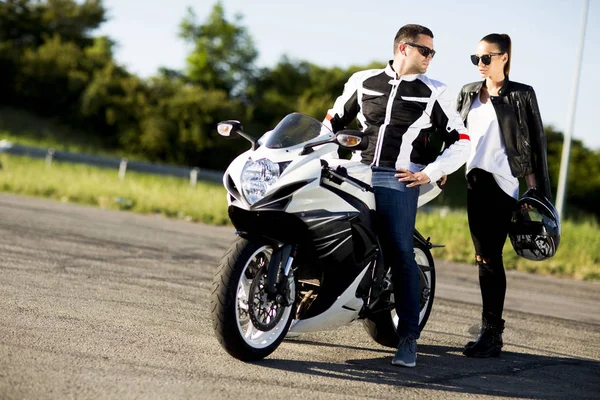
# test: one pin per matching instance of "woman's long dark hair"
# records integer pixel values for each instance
(502, 40)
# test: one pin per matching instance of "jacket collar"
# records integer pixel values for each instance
(477, 87)
(502, 90)
(389, 71)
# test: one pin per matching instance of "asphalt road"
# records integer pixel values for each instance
(112, 305)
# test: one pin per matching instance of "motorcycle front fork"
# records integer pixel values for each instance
(278, 274)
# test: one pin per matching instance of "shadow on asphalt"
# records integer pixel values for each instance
(445, 368)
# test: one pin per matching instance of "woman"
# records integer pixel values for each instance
(508, 142)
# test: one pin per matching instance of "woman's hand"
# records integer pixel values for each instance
(443, 180)
(531, 184)
(415, 178)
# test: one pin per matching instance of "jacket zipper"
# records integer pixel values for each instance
(388, 117)
(525, 142)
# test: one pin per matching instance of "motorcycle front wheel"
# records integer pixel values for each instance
(247, 324)
(381, 326)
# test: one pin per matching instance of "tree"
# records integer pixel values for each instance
(47, 53)
(275, 92)
(224, 53)
(29, 23)
(112, 105)
(51, 77)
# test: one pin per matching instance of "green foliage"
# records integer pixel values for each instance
(113, 102)
(27, 23)
(51, 76)
(44, 54)
(224, 53)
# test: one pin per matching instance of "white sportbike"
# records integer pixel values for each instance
(307, 257)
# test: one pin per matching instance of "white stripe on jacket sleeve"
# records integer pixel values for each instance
(455, 155)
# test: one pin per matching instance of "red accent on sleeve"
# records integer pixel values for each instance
(463, 136)
(329, 117)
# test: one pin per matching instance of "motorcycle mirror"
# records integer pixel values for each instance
(355, 140)
(348, 140)
(226, 128)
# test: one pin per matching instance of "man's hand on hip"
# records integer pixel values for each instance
(415, 178)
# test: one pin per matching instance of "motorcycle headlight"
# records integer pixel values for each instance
(257, 177)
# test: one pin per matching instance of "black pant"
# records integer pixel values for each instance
(489, 209)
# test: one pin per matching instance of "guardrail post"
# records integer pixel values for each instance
(194, 176)
(122, 168)
(49, 157)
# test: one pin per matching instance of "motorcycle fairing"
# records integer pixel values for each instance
(344, 310)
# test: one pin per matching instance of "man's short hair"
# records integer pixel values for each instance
(409, 33)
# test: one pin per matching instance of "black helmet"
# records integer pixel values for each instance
(535, 230)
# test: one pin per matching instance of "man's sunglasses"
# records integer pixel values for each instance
(486, 59)
(424, 50)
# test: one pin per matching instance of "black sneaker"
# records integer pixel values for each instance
(406, 355)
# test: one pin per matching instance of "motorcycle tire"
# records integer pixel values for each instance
(381, 326)
(235, 330)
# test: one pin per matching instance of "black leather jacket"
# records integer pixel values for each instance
(521, 127)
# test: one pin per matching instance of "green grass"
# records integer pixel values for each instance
(142, 193)
(578, 255)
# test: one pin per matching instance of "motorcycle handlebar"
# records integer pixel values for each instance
(341, 174)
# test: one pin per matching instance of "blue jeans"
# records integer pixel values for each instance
(396, 214)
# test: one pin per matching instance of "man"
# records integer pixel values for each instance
(400, 108)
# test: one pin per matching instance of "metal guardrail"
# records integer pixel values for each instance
(122, 164)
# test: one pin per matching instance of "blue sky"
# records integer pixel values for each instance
(545, 36)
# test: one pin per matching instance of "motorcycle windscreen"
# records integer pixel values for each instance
(293, 130)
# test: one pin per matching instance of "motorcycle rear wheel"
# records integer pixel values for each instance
(382, 326)
(239, 281)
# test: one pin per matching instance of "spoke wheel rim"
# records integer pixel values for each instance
(265, 314)
(253, 336)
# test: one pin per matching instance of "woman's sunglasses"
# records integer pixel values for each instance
(485, 59)
(424, 50)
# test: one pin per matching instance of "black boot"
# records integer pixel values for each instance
(489, 343)
(472, 342)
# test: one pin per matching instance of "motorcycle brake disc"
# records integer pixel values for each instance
(265, 314)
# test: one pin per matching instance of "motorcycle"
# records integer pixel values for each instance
(306, 257)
